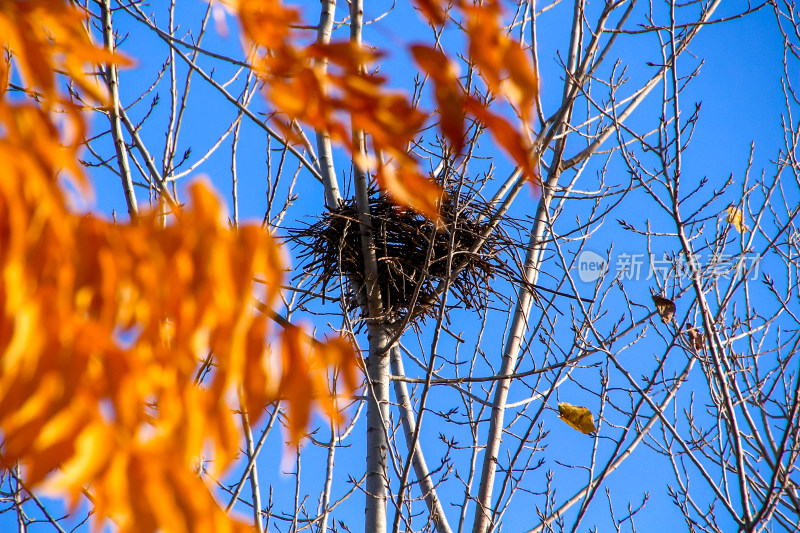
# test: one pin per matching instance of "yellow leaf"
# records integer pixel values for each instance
(665, 308)
(736, 218)
(576, 416)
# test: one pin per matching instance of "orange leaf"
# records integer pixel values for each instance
(266, 22)
(522, 85)
(432, 10)
(449, 94)
(407, 186)
(48, 35)
(486, 41)
(296, 385)
(103, 324)
(501, 60)
(339, 352)
(349, 55)
(305, 376)
(508, 138)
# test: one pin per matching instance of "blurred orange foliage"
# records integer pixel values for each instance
(103, 325)
(347, 98)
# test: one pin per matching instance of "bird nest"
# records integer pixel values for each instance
(413, 257)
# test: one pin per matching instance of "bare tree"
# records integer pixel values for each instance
(682, 342)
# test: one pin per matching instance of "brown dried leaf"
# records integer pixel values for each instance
(665, 308)
(696, 338)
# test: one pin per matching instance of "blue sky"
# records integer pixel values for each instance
(739, 91)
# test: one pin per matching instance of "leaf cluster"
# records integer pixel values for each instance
(103, 325)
